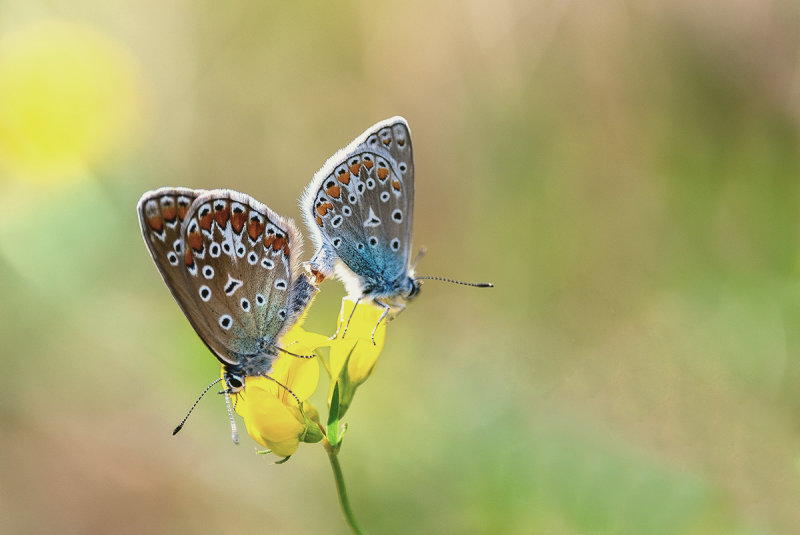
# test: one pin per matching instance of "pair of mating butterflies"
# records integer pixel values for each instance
(233, 265)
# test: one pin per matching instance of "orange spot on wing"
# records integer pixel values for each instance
(355, 168)
(156, 223)
(334, 191)
(383, 173)
(319, 220)
(286, 250)
(188, 259)
(169, 212)
(237, 221)
(222, 216)
(344, 177)
(278, 243)
(182, 211)
(387, 141)
(319, 277)
(368, 164)
(396, 185)
(205, 221)
(255, 228)
(323, 208)
(195, 241)
(268, 240)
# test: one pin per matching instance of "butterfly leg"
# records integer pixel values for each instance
(297, 399)
(350, 318)
(386, 309)
(295, 354)
(420, 255)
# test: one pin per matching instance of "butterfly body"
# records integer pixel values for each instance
(231, 263)
(359, 209)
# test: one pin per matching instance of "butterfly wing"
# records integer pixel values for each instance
(161, 214)
(240, 266)
(359, 206)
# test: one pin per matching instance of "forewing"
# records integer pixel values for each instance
(161, 214)
(361, 202)
(240, 261)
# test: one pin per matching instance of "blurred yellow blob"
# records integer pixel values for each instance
(69, 95)
(271, 414)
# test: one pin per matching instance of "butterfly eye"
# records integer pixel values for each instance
(245, 304)
(395, 245)
(266, 263)
(402, 165)
(208, 272)
(336, 221)
(234, 382)
(370, 183)
(260, 300)
(252, 258)
(214, 250)
(282, 313)
(385, 196)
(352, 198)
(397, 215)
(337, 242)
(225, 321)
(280, 284)
(346, 211)
(373, 241)
(173, 258)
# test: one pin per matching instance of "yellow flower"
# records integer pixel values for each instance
(69, 95)
(355, 349)
(271, 414)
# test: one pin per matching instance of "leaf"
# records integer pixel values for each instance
(333, 417)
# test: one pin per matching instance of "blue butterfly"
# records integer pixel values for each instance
(232, 264)
(359, 208)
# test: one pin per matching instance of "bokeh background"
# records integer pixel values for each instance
(626, 173)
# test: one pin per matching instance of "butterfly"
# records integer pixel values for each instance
(232, 264)
(359, 209)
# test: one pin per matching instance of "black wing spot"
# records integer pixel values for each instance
(373, 241)
(395, 244)
(225, 321)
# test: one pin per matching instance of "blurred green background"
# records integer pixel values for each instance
(626, 173)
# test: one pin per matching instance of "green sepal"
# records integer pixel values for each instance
(333, 417)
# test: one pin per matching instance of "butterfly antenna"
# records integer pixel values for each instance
(180, 425)
(475, 284)
(234, 431)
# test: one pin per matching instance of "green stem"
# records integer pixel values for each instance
(342, 491)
